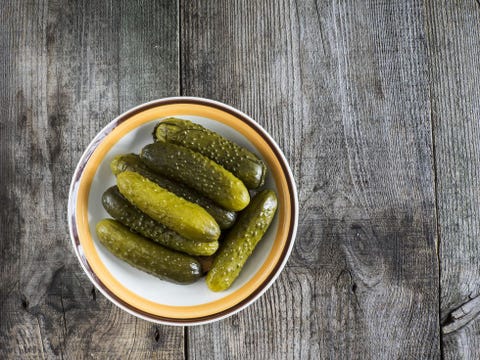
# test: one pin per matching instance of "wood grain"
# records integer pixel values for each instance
(343, 87)
(454, 52)
(70, 67)
(464, 342)
(349, 89)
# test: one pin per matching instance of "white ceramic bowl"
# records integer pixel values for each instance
(144, 295)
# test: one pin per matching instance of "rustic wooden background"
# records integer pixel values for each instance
(376, 106)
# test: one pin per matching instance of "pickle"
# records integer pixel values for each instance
(198, 172)
(242, 239)
(121, 210)
(242, 163)
(132, 162)
(146, 255)
(185, 218)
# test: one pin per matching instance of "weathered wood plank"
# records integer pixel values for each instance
(454, 51)
(25, 190)
(464, 342)
(148, 57)
(70, 67)
(343, 87)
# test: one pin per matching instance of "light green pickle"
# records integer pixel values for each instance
(198, 172)
(242, 163)
(132, 162)
(121, 210)
(185, 218)
(146, 255)
(242, 239)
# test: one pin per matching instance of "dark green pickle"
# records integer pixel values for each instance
(121, 210)
(242, 239)
(184, 217)
(132, 162)
(198, 172)
(146, 255)
(242, 163)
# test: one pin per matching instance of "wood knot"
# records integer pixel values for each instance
(24, 302)
(354, 287)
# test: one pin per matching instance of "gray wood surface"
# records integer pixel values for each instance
(454, 46)
(375, 104)
(343, 88)
(68, 68)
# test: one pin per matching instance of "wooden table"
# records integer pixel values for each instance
(376, 106)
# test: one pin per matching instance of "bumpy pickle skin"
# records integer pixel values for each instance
(242, 239)
(198, 172)
(121, 210)
(146, 255)
(132, 162)
(244, 164)
(185, 218)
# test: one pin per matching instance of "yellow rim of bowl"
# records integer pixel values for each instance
(182, 312)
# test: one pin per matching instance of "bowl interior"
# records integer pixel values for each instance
(148, 286)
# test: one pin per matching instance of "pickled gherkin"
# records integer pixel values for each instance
(121, 210)
(242, 239)
(242, 163)
(185, 218)
(146, 255)
(132, 162)
(198, 172)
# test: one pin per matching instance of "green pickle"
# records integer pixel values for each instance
(198, 172)
(245, 165)
(121, 210)
(132, 162)
(146, 255)
(185, 218)
(242, 239)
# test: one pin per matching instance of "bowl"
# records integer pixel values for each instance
(146, 296)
